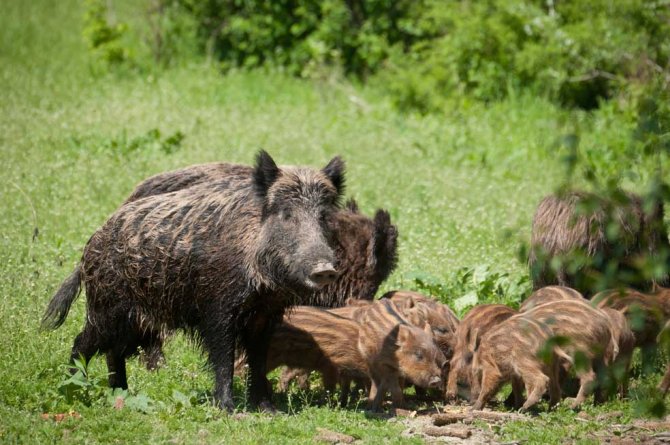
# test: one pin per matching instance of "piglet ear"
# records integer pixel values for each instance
(265, 174)
(403, 334)
(335, 172)
(352, 205)
(478, 340)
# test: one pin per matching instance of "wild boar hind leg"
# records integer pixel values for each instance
(490, 384)
(536, 386)
(587, 378)
(85, 346)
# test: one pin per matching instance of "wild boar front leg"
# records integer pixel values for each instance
(452, 383)
(586, 380)
(375, 396)
(517, 392)
(489, 387)
(536, 386)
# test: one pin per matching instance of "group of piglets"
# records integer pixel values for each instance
(555, 334)
(555, 342)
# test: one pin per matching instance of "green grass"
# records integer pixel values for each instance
(461, 188)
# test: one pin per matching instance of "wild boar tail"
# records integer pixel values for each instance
(564, 355)
(613, 348)
(60, 303)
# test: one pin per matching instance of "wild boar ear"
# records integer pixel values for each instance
(265, 173)
(384, 253)
(403, 334)
(335, 172)
(473, 339)
(352, 206)
(478, 340)
(409, 303)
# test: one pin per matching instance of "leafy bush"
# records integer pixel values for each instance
(164, 35)
(578, 53)
(575, 52)
(356, 34)
(104, 38)
(468, 287)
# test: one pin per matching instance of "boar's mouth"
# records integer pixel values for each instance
(435, 382)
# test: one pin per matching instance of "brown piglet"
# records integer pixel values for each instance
(511, 351)
(481, 319)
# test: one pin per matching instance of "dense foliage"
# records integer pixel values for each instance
(575, 52)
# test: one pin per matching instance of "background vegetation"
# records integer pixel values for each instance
(456, 116)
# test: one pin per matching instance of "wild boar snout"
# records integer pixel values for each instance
(323, 274)
(435, 382)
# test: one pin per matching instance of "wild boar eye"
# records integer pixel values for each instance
(418, 355)
(440, 330)
(286, 215)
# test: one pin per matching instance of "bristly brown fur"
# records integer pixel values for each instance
(421, 310)
(482, 319)
(416, 359)
(549, 294)
(586, 331)
(313, 339)
(646, 316)
(509, 351)
(366, 249)
(558, 230)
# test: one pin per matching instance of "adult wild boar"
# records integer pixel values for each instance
(365, 249)
(221, 260)
(605, 232)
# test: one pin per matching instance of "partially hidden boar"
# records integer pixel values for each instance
(313, 339)
(221, 261)
(476, 323)
(550, 294)
(381, 348)
(579, 223)
(646, 315)
(420, 310)
(510, 352)
(354, 310)
(586, 337)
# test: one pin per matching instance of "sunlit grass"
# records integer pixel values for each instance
(461, 189)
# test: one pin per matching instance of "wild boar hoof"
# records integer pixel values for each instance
(572, 402)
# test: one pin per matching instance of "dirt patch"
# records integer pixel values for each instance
(454, 424)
